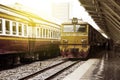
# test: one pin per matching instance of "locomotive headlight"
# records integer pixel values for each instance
(83, 41)
(65, 41)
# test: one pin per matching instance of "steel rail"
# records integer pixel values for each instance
(38, 72)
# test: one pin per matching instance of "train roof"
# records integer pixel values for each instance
(30, 16)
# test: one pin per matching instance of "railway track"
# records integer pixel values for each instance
(50, 72)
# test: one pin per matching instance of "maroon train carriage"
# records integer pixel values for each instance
(26, 37)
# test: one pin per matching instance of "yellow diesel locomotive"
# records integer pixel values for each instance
(74, 40)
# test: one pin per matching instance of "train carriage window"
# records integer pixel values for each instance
(38, 32)
(20, 29)
(0, 25)
(54, 34)
(7, 25)
(43, 33)
(81, 28)
(58, 35)
(51, 34)
(68, 28)
(14, 28)
(46, 32)
(25, 30)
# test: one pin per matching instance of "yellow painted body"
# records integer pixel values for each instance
(74, 43)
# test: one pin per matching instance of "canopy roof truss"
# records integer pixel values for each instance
(106, 14)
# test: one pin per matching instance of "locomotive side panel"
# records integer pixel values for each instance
(97, 42)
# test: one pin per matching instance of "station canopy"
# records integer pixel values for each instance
(106, 14)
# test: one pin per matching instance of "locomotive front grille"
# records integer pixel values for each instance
(74, 50)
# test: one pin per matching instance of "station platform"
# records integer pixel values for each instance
(106, 68)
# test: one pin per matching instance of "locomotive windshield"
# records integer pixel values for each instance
(80, 28)
(68, 28)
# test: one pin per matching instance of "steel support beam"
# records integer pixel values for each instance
(115, 25)
(117, 22)
(115, 4)
(112, 29)
(94, 12)
(111, 11)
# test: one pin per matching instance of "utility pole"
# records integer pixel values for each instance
(74, 22)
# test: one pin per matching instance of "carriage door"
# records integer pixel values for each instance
(31, 39)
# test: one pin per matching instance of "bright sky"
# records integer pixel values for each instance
(39, 5)
(44, 5)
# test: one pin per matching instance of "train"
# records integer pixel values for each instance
(26, 37)
(80, 40)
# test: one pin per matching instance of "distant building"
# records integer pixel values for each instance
(61, 11)
(64, 11)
